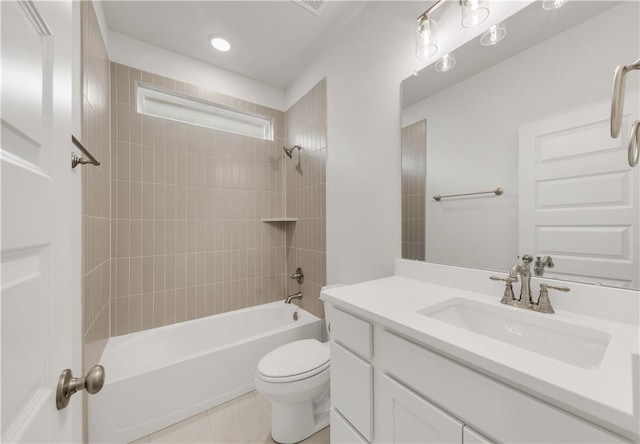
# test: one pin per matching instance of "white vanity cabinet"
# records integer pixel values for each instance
(492, 407)
(417, 395)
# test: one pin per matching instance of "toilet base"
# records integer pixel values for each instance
(291, 434)
(292, 423)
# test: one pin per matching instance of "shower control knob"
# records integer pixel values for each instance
(68, 385)
(298, 275)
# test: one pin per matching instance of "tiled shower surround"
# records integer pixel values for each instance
(188, 238)
(306, 126)
(414, 176)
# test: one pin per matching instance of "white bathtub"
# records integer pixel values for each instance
(157, 377)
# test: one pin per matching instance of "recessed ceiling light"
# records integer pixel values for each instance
(220, 43)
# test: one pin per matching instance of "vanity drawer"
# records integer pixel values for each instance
(496, 409)
(351, 331)
(352, 389)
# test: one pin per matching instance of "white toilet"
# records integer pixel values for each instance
(295, 379)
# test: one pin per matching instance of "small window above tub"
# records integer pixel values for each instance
(157, 102)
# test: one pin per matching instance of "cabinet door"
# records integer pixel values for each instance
(342, 432)
(405, 417)
(352, 388)
(470, 436)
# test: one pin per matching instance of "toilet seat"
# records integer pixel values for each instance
(294, 361)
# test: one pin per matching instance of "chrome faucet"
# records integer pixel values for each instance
(541, 263)
(524, 301)
(291, 297)
(524, 271)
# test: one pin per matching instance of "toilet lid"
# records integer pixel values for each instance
(300, 358)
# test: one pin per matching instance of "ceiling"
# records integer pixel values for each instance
(272, 41)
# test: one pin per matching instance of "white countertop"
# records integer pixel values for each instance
(607, 396)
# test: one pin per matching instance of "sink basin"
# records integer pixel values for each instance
(579, 346)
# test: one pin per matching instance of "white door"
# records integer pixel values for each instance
(40, 326)
(579, 197)
(406, 417)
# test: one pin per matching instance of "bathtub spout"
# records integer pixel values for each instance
(291, 297)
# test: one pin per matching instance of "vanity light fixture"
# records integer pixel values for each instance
(446, 63)
(473, 12)
(427, 33)
(493, 35)
(553, 4)
(220, 43)
(426, 38)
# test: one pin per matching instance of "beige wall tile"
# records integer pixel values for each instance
(305, 196)
(136, 127)
(147, 311)
(170, 307)
(135, 313)
(147, 163)
(121, 204)
(135, 200)
(122, 315)
(147, 201)
(122, 84)
(158, 308)
(147, 237)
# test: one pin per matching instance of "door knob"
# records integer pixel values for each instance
(68, 385)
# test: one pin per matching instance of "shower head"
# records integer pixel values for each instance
(288, 151)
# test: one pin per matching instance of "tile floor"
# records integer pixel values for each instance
(246, 419)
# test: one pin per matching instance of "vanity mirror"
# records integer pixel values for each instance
(530, 115)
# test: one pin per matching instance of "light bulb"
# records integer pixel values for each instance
(426, 38)
(446, 63)
(473, 13)
(553, 4)
(493, 35)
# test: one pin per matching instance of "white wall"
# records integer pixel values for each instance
(472, 132)
(364, 69)
(144, 56)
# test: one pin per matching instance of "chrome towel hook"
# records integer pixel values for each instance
(617, 108)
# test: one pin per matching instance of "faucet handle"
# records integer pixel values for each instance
(298, 276)
(544, 304)
(508, 279)
(508, 297)
(545, 286)
(527, 259)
